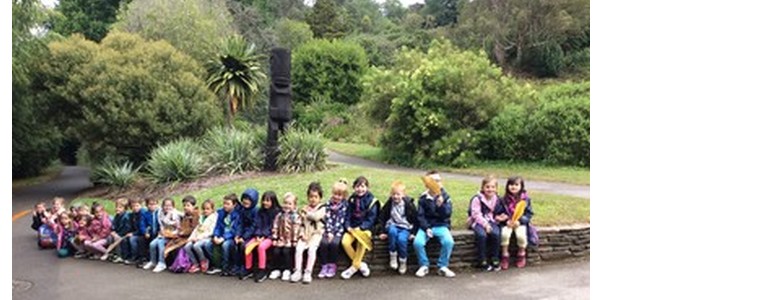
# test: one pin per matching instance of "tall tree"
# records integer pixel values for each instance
(88, 17)
(444, 11)
(327, 20)
(35, 139)
(236, 75)
(195, 27)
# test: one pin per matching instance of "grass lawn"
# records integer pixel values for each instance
(47, 174)
(530, 171)
(549, 209)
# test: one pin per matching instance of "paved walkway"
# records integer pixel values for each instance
(39, 274)
(543, 186)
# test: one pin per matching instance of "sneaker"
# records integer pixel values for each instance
(323, 271)
(261, 275)
(159, 268)
(422, 271)
(348, 272)
(193, 269)
(364, 268)
(394, 260)
(504, 263)
(495, 265)
(93, 256)
(402, 266)
(286, 275)
(247, 276)
(148, 266)
(117, 260)
(204, 266)
(306, 277)
(214, 271)
(520, 263)
(446, 272)
(296, 276)
(129, 262)
(275, 274)
(104, 257)
(80, 255)
(485, 266)
(332, 270)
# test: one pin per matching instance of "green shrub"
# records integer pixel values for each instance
(180, 160)
(329, 69)
(315, 115)
(506, 136)
(545, 60)
(234, 150)
(292, 34)
(560, 131)
(442, 96)
(302, 151)
(116, 175)
(126, 95)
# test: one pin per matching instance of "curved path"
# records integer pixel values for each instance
(40, 275)
(582, 191)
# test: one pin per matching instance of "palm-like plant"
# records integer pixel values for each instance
(236, 75)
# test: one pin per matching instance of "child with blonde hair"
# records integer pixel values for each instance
(285, 237)
(398, 220)
(335, 222)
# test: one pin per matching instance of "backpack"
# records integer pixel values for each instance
(181, 263)
(46, 237)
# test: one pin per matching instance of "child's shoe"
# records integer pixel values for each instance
(422, 271)
(286, 275)
(104, 257)
(323, 271)
(521, 258)
(485, 266)
(214, 271)
(495, 265)
(306, 277)
(504, 263)
(332, 270)
(394, 260)
(275, 274)
(364, 268)
(193, 269)
(261, 275)
(348, 272)
(446, 272)
(159, 268)
(204, 266)
(402, 266)
(117, 260)
(296, 276)
(148, 266)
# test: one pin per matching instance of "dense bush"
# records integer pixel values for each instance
(302, 151)
(124, 96)
(234, 150)
(506, 136)
(553, 129)
(329, 69)
(560, 131)
(113, 174)
(180, 160)
(442, 96)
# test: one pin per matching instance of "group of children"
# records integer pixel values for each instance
(146, 237)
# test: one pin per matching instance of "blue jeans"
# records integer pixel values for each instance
(196, 250)
(483, 240)
(229, 250)
(157, 250)
(134, 245)
(124, 248)
(398, 240)
(447, 244)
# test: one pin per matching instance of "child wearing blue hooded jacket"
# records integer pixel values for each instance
(248, 201)
(363, 208)
(224, 234)
(434, 218)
